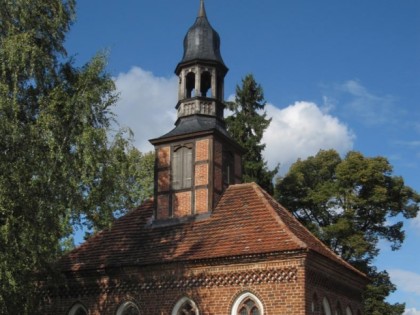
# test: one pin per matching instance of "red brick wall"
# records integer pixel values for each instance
(340, 286)
(163, 180)
(279, 285)
(162, 211)
(164, 156)
(202, 150)
(284, 285)
(181, 204)
(201, 200)
(218, 152)
(201, 174)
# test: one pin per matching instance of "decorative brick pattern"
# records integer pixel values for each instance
(201, 174)
(164, 156)
(201, 201)
(202, 150)
(162, 207)
(182, 204)
(241, 278)
(163, 181)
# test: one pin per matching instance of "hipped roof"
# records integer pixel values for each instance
(247, 221)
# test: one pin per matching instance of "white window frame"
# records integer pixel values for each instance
(181, 302)
(76, 307)
(123, 306)
(326, 305)
(242, 297)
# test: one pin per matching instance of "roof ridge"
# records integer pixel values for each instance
(260, 192)
(147, 203)
(267, 199)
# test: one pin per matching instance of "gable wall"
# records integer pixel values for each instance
(339, 285)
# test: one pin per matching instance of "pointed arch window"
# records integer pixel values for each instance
(185, 306)
(326, 308)
(314, 303)
(190, 85)
(338, 310)
(349, 311)
(182, 167)
(128, 308)
(78, 309)
(205, 83)
(247, 304)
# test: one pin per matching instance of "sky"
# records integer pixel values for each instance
(336, 74)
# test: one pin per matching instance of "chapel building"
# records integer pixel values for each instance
(205, 244)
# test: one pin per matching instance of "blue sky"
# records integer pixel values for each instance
(336, 74)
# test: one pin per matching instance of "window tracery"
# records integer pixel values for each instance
(128, 308)
(78, 309)
(247, 304)
(185, 306)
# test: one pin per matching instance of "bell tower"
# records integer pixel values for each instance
(197, 160)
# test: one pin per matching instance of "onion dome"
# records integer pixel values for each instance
(202, 42)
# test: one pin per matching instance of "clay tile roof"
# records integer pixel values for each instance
(246, 221)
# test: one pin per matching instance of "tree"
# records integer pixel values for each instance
(350, 204)
(58, 162)
(247, 125)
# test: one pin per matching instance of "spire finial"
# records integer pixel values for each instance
(202, 12)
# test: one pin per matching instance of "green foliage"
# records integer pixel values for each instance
(58, 162)
(350, 204)
(247, 126)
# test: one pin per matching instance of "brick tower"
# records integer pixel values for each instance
(197, 160)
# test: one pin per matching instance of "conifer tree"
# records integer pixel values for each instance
(247, 125)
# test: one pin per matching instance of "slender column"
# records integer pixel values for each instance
(213, 83)
(197, 81)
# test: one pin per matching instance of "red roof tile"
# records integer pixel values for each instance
(246, 221)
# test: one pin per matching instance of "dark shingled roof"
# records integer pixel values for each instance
(196, 123)
(202, 41)
(247, 221)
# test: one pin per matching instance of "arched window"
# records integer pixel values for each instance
(314, 303)
(326, 308)
(247, 304)
(190, 85)
(338, 310)
(185, 306)
(182, 167)
(205, 83)
(349, 311)
(78, 309)
(128, 308)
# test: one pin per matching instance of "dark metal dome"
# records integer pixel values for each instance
(202, 42)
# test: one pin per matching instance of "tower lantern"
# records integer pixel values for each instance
(197, 160)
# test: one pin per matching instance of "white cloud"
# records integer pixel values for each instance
(371, 109)
(146, 104)
(301, 130)
(406, 280)
(411, 311)
(415, 223)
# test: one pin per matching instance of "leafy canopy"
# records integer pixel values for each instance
(58, 162)
(351, 204)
